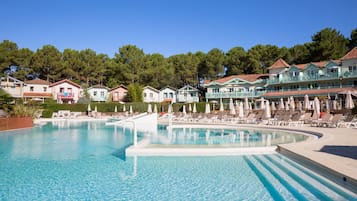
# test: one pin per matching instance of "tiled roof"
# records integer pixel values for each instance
(168, 87)
(38, 81)
(280, 63)
(152, 88)
(301, 93)
(65, 80)
(37, 94)
(248, 77)
(120, 86)
(319, 64)
(351, 54)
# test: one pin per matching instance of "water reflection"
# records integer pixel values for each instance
(66, 140)
(223, 137)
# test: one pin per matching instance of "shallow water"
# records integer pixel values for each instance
(86, 161)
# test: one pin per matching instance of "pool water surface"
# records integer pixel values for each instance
(86, 161)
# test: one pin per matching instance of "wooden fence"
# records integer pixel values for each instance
(15, 123)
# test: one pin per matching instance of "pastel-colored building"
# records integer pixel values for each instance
(66, 91)
(168, 94)
(118, 94)
(37, 90)
(150, 94)
(187, 94)
(98, 93)
(12, 86)
(236, 87)
(324, 78)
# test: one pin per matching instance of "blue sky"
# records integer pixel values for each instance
(171, 27)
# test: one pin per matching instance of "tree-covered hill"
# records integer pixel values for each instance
(131, 65)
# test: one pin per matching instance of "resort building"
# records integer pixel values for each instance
(12, 86)
(37, 90)
(66, 91)
(324, 78)
(187, 94)
(150, 94)
(236, 87)
(118, 93)
(168, 94)
(98, 93)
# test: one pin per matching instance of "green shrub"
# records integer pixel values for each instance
(49, 108)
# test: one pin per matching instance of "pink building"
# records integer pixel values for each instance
(118, 93)
(66, 91)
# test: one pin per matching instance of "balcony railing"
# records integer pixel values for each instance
(234, 94)
(182, 98)
(332, 76)
(308, 88)
(65, 95)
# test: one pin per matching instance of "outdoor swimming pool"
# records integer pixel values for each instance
(85, 161)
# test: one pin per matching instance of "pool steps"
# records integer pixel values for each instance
(282, 173)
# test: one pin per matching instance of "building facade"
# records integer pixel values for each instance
(12, 86)
(187, 94)
(236, 87)
(324, 78)
(118, 94)
(66, 91)
(98, 93)
(37, 90)
(168, 94)
(150, 94)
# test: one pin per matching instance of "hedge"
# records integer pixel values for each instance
(49, 108)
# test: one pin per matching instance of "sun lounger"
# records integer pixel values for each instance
(331, 122)
(350, 121)
(323, 120)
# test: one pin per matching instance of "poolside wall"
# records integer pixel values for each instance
(15, 123)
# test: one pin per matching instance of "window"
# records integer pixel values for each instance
(352, 69)
(313, 86)
(144, 95)
(312, 73)
(230, 89)
(151, 95)
(102, 93)
(193, 94)
(44, 89)
(165, 95)
(94, 93)
(171, 95)
(61, 90)
(215, 90)
(31, 88)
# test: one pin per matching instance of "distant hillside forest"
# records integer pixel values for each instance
(131, 65)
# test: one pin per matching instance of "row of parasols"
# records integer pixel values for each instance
(243, 107)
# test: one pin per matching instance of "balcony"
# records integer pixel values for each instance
(65, 95)
(235, 94)
(187, 98)
(294, 79)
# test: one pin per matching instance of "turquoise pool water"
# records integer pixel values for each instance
(85, 161)
(223, 137)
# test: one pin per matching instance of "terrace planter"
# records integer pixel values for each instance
(15, 123)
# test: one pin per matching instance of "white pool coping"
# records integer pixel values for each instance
(140, 151)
